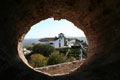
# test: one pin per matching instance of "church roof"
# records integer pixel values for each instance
(48, 39)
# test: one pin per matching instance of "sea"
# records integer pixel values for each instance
(30, 41)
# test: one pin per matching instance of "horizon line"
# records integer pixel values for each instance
(55, 36)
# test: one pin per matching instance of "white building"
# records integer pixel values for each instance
(55, 42)
(25, 51)
(71, 42)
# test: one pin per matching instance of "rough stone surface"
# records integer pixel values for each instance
(61, 69)
(99, 19)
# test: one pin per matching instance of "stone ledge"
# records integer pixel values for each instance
(63, 68)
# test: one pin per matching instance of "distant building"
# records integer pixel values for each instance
(61, 42)
(71, 42)
(57, 42)
(25, 51)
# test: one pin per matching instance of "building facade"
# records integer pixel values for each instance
(57, 42)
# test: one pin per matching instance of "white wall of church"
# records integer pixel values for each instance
(61, 41)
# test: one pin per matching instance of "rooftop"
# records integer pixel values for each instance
(48, 39)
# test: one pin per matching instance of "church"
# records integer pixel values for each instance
(56, 42)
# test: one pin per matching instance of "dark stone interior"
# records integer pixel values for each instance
(99, 19)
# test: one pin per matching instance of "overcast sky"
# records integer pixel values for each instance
(51, 28)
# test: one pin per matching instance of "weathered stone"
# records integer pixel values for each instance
(99, 19)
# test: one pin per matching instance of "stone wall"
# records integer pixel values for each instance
(99, 19)
(61, 69)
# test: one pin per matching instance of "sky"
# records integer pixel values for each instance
(51, 28)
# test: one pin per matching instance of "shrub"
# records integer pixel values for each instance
(38, 60)
(44, 49)
(63, 50)
(56, 58)
(74, 53)
(71, 59)
(29, 47)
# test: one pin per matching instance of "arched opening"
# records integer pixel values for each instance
(55, 46)
(99, 19)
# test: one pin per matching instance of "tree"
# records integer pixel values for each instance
(44, 49)
(65, 41)
(29, 47)
(56, 58)
(74, 53)
(38, 60)
(71, 58)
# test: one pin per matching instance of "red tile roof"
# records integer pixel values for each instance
(48, 39)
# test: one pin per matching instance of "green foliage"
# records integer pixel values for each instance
(44, 54)
(81, 41)
(71, 52)
(74, 53)
(71, 59)
(63, 50)
(29, 47)
(38, 60)
(56, 58)
(78, 41)
(44, 49)
(65, 41)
